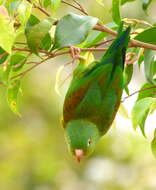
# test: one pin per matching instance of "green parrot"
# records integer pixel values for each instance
(93, 98)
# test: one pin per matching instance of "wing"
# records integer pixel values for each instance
(84, 90)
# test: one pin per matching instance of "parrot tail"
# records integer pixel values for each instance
(117, 51)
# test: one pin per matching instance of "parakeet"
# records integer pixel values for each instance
(93, 98)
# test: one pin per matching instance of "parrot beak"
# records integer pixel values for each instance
(79, 153)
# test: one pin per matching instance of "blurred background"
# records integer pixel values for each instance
(33, 152)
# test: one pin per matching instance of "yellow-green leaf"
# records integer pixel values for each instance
(123, 111)
(12, 95)
(7, 35)
(153, 144)
(116, 11)
(140, 112)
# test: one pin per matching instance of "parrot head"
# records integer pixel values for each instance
(82, 137)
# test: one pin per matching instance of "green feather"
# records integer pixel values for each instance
(94, 96)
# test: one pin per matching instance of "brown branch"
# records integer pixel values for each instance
(104, 42)
(40, 8)
(144, 89)
(133, 43)
(28, 50)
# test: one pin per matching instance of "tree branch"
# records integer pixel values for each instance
(133, 43)
(144, 89)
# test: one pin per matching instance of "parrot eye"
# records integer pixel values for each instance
(89, 142)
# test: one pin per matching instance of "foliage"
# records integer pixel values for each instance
(26, 33)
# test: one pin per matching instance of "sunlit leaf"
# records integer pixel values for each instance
(53, 3)
(7, 35)
(147, 90)
(123, 111)
(12, 95)
(24, 12)
(73, 29)
(37, 33)
(140, 57)
(116, 11)
(153, 144)
(140, 112)
(126, 1)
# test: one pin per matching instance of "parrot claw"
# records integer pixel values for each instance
(131, 58)
(75, 53)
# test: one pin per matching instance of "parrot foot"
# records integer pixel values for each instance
(131, 58)
(75, 53)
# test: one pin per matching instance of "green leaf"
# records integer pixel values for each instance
(96, 36)
(73, 29)
(24, 11)
(140, 112)
(7, 35)
(152, 108)
(17, 61)
(31, 22)
(93, 38)
(147, 36)
(3, 56)
(128, 72)
(53, 3)
(147, 90)
(149, 66)
(46, 42)
(126, 1)
(153, 144)
(145, 4)
(37, 33)
(12, 95)
(140, 57)
(116, 11)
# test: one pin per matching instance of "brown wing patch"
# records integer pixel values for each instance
(72, 101)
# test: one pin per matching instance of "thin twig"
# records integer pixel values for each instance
(144, 89)
(104, 42)
(71, 5)
(81, 7)
(28, 50)
(26, 71)
(42, 10)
